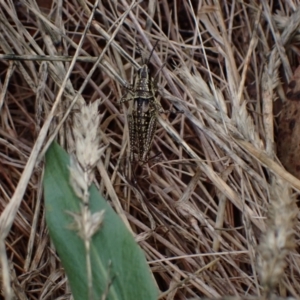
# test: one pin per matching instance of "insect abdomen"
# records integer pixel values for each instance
(142, 127)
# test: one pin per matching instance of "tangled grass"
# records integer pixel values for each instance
(215, 212)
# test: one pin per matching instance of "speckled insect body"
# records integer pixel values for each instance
(142, 119)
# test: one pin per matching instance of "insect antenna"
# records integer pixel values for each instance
(139, 51)
(158, 71)
(148, 61)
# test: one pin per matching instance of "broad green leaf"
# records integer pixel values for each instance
(115, 256)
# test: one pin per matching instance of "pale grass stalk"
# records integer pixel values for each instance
(87, 155)
(5, 278)
(269, 82)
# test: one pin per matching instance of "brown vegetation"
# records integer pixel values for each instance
(215, 211)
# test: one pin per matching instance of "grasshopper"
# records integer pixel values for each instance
(142, 119)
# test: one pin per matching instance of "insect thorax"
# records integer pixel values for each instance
(144, 86)
(142, 105)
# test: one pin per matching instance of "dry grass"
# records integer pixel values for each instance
(215, 213)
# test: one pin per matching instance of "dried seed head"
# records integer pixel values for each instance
(202, 92)
(87, 141)
(278, 240)
(77, 178)
(87, 137)
(86, 224)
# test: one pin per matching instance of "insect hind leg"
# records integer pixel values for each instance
(149, 140)
(132, 137)
(129, 90)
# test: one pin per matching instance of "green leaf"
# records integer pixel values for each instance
(115, 256)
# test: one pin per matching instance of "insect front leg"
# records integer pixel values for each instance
(129, 90)
(125, 98)
(159, 108)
